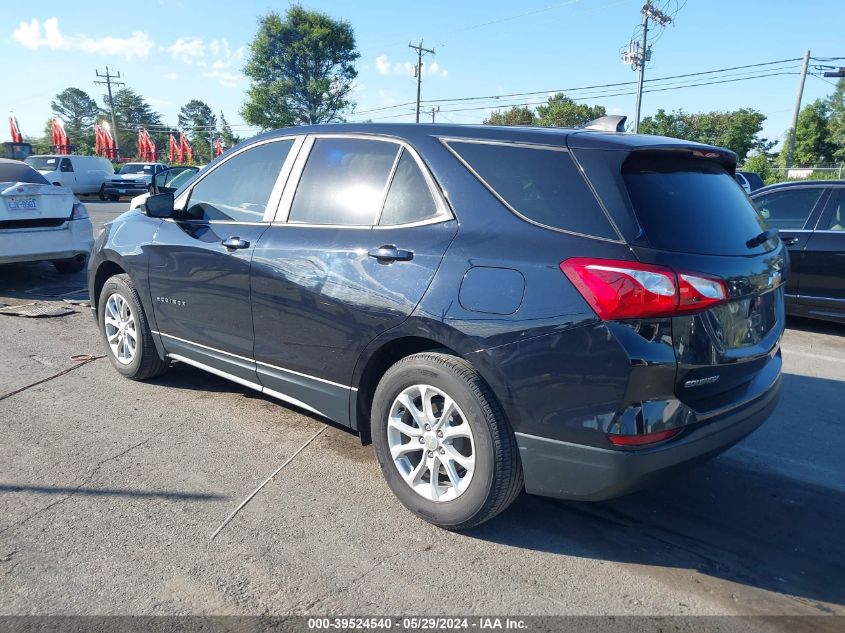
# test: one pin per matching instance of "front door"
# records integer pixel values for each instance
(365, 234)
(823, 284)
(200, 261)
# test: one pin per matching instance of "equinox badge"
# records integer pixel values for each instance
(702, 381)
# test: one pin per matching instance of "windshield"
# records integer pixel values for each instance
(13, 171)
(136, 169)
(43, 163)
(693, 206)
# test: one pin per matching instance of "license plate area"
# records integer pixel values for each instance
(22, 204)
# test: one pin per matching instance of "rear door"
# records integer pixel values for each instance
(823, 281)
(199, 262)
(793, 212)
(358, 239)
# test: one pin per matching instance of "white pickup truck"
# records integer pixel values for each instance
(133, 179)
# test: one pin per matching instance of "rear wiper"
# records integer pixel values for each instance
(765, 236)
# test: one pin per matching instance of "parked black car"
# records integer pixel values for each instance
(810, 217)
(574, 309)
(749, 180)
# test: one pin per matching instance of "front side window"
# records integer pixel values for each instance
(788, 209)
(343, 182)
(542, 185)
(66, 165)
(239, 189)
(409, 199)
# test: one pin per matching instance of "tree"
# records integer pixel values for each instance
(836, 120)
(561, 111)
(226, 135)
(301, 69)
(761, 164)
(514, 116)
(131, 111)
(813, 142)
(200, 124)
(737, 130)
(79, 113)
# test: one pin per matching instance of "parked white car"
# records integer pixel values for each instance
(132, 179)
(40, 221)
(81, 174)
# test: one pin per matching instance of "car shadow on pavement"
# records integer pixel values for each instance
(815, 326)
(726, 518)
(40, 282)
(113, 492)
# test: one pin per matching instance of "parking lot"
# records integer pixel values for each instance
(111, 489)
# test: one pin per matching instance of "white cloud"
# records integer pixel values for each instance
(217, 54)
(35, 35)
(170, 76)
(188, 50)
(225, 78)
(385, 67)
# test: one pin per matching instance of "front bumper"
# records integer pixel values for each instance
(564, 470)
(114, 190)
(73, 238)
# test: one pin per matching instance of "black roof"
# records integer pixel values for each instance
(790, 184)
(526, 134)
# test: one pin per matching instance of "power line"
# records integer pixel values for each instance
(108, 83)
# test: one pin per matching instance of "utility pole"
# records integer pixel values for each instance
(418, 70)
(434, 111)
(793, 132)
(639, 53)
(108, 83)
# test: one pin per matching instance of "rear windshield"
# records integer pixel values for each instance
(18, 172)
(136, 169)
(691, 206)
(542, 185)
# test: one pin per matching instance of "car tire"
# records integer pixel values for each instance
(113, 198)
(102, 193)
(119, 299)
(488, 442)
(70, 266)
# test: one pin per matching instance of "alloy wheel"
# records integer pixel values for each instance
(120, 328)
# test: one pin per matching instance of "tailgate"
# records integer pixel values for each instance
(28, 202)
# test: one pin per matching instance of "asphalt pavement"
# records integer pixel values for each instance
(110, 490)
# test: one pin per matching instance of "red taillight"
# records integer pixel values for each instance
(641, 440)
(78, 212)
(618, 289)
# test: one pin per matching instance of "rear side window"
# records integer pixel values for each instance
(409, 198)
(836, 222)
(691, 206)
(788, 209)
(343, 182)
(542, 185)
(239, 188)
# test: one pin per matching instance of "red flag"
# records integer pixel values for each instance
(218, 147)
(60, 136)
(16, 131)
(184, 149)
(108, 140)
(142, 151)
(173, 149)
(151, 146)
(98, 140)
(54, 134)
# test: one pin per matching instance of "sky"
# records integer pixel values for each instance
(172, 51)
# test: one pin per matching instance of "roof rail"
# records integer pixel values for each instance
(609, 123)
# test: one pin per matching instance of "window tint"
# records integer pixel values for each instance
(409, 198)
(543, 185)
(343, 182)
(239, 188)
(691, 205)
(13, 171)
(788, 208)
(837, 218)
(66, 165)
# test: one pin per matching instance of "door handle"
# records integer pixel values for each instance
(789, 241)
(389, 253)
(233, 243)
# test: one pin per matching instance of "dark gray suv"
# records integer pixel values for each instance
(568, 312)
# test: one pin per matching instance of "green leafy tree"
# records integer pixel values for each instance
(561, 111)
(131, 111)
(738, 130)
(200, 126)
(301, 69)
(761, 164)
(79, 113)
(836, 120)
(226, 135)
(813, 142)
(514, 116)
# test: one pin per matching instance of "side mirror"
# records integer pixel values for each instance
(159, 205)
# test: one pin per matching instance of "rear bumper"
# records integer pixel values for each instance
(72, 239)
(565, 470)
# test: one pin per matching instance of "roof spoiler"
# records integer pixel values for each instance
(609, 123)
